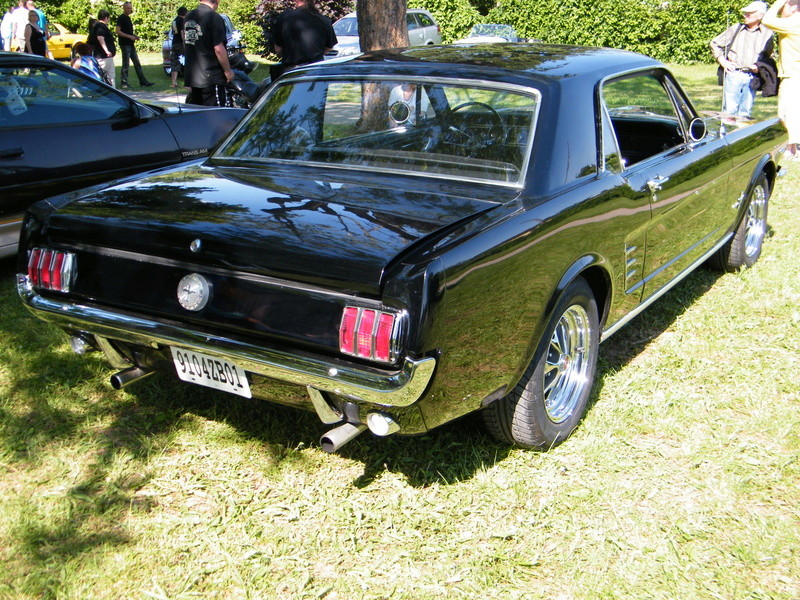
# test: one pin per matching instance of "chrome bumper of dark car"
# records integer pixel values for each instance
(398, 388)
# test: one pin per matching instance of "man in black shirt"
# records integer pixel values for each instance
(127, 46)
(102, 43)
(207, 69)
(301, 36)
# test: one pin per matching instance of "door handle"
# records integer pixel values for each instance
(656, 183)
(11, 152)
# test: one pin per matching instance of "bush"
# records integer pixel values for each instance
(455, 17)
(677, 31)
(671, 30)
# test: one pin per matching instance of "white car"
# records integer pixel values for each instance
(490, 33)
(422, 31)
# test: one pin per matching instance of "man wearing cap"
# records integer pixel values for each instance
(737, 50)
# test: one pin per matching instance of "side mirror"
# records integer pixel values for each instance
(399, 112)
(697, 129)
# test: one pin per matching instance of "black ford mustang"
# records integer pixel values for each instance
(402, 238)
(61, 130)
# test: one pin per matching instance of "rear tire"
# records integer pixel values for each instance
(550, 399)
(744, 248)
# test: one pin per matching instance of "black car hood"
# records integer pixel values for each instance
(336, 231)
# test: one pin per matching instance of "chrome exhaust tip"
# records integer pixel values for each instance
(128, 376)
(336, 438)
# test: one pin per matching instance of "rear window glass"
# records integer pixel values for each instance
(420, 127)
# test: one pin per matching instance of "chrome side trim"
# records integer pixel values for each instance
(660, 292)
(398, 388)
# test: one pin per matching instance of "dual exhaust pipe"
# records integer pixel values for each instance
(331, 442)
(379, 423)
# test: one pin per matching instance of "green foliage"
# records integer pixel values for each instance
(455, 17)
(672, 30)
(677, 31)
(72, 14)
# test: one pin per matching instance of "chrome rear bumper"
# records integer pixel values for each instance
(397, 388)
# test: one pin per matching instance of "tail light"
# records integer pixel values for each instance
(51, 269)
(369, 333)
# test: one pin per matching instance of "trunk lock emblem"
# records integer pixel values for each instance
(196, 245)
(194, 292)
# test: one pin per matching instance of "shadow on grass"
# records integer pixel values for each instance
(46, 402)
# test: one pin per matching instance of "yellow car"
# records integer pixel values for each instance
(62, 40)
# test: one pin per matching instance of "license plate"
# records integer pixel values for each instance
(210, 371)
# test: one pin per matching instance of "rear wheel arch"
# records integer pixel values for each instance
(550, 399)
(592, 270)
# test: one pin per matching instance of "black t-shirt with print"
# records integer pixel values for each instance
(203, 30)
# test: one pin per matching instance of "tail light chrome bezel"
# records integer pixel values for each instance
(53, 270)
(372, 333)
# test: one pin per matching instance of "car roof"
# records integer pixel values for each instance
(19, 57)
(540, 61)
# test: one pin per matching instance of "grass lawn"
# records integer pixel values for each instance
(681, 483)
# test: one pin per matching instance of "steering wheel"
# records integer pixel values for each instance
(471, 131)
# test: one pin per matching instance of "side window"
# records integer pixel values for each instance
(425, 20)
(411, 20)
(55, 96)
(643, 117)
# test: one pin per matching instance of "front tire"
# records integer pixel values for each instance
(550, 399)
(744, 248)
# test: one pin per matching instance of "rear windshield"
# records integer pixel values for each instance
(419, 127)
(346, 26)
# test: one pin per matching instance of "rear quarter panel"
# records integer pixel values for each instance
(199, 131)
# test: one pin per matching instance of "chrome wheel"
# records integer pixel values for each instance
(756, 222)
(550, 398)
(568, 364)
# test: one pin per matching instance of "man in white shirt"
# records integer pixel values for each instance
(20, 21)
(406, 95)
(7, 28)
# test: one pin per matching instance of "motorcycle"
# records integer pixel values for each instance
(243, 90)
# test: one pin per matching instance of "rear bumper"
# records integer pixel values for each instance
(394, 389)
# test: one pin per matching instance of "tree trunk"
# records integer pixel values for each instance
(382, 24)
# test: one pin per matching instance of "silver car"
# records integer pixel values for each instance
(422, 31)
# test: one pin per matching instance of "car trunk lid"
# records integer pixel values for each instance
(333, 231)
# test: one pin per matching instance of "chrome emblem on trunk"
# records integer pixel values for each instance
(194, 292)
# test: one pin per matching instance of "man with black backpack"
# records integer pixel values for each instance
(737, 50)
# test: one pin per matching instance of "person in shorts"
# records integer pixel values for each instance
(176, 53)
